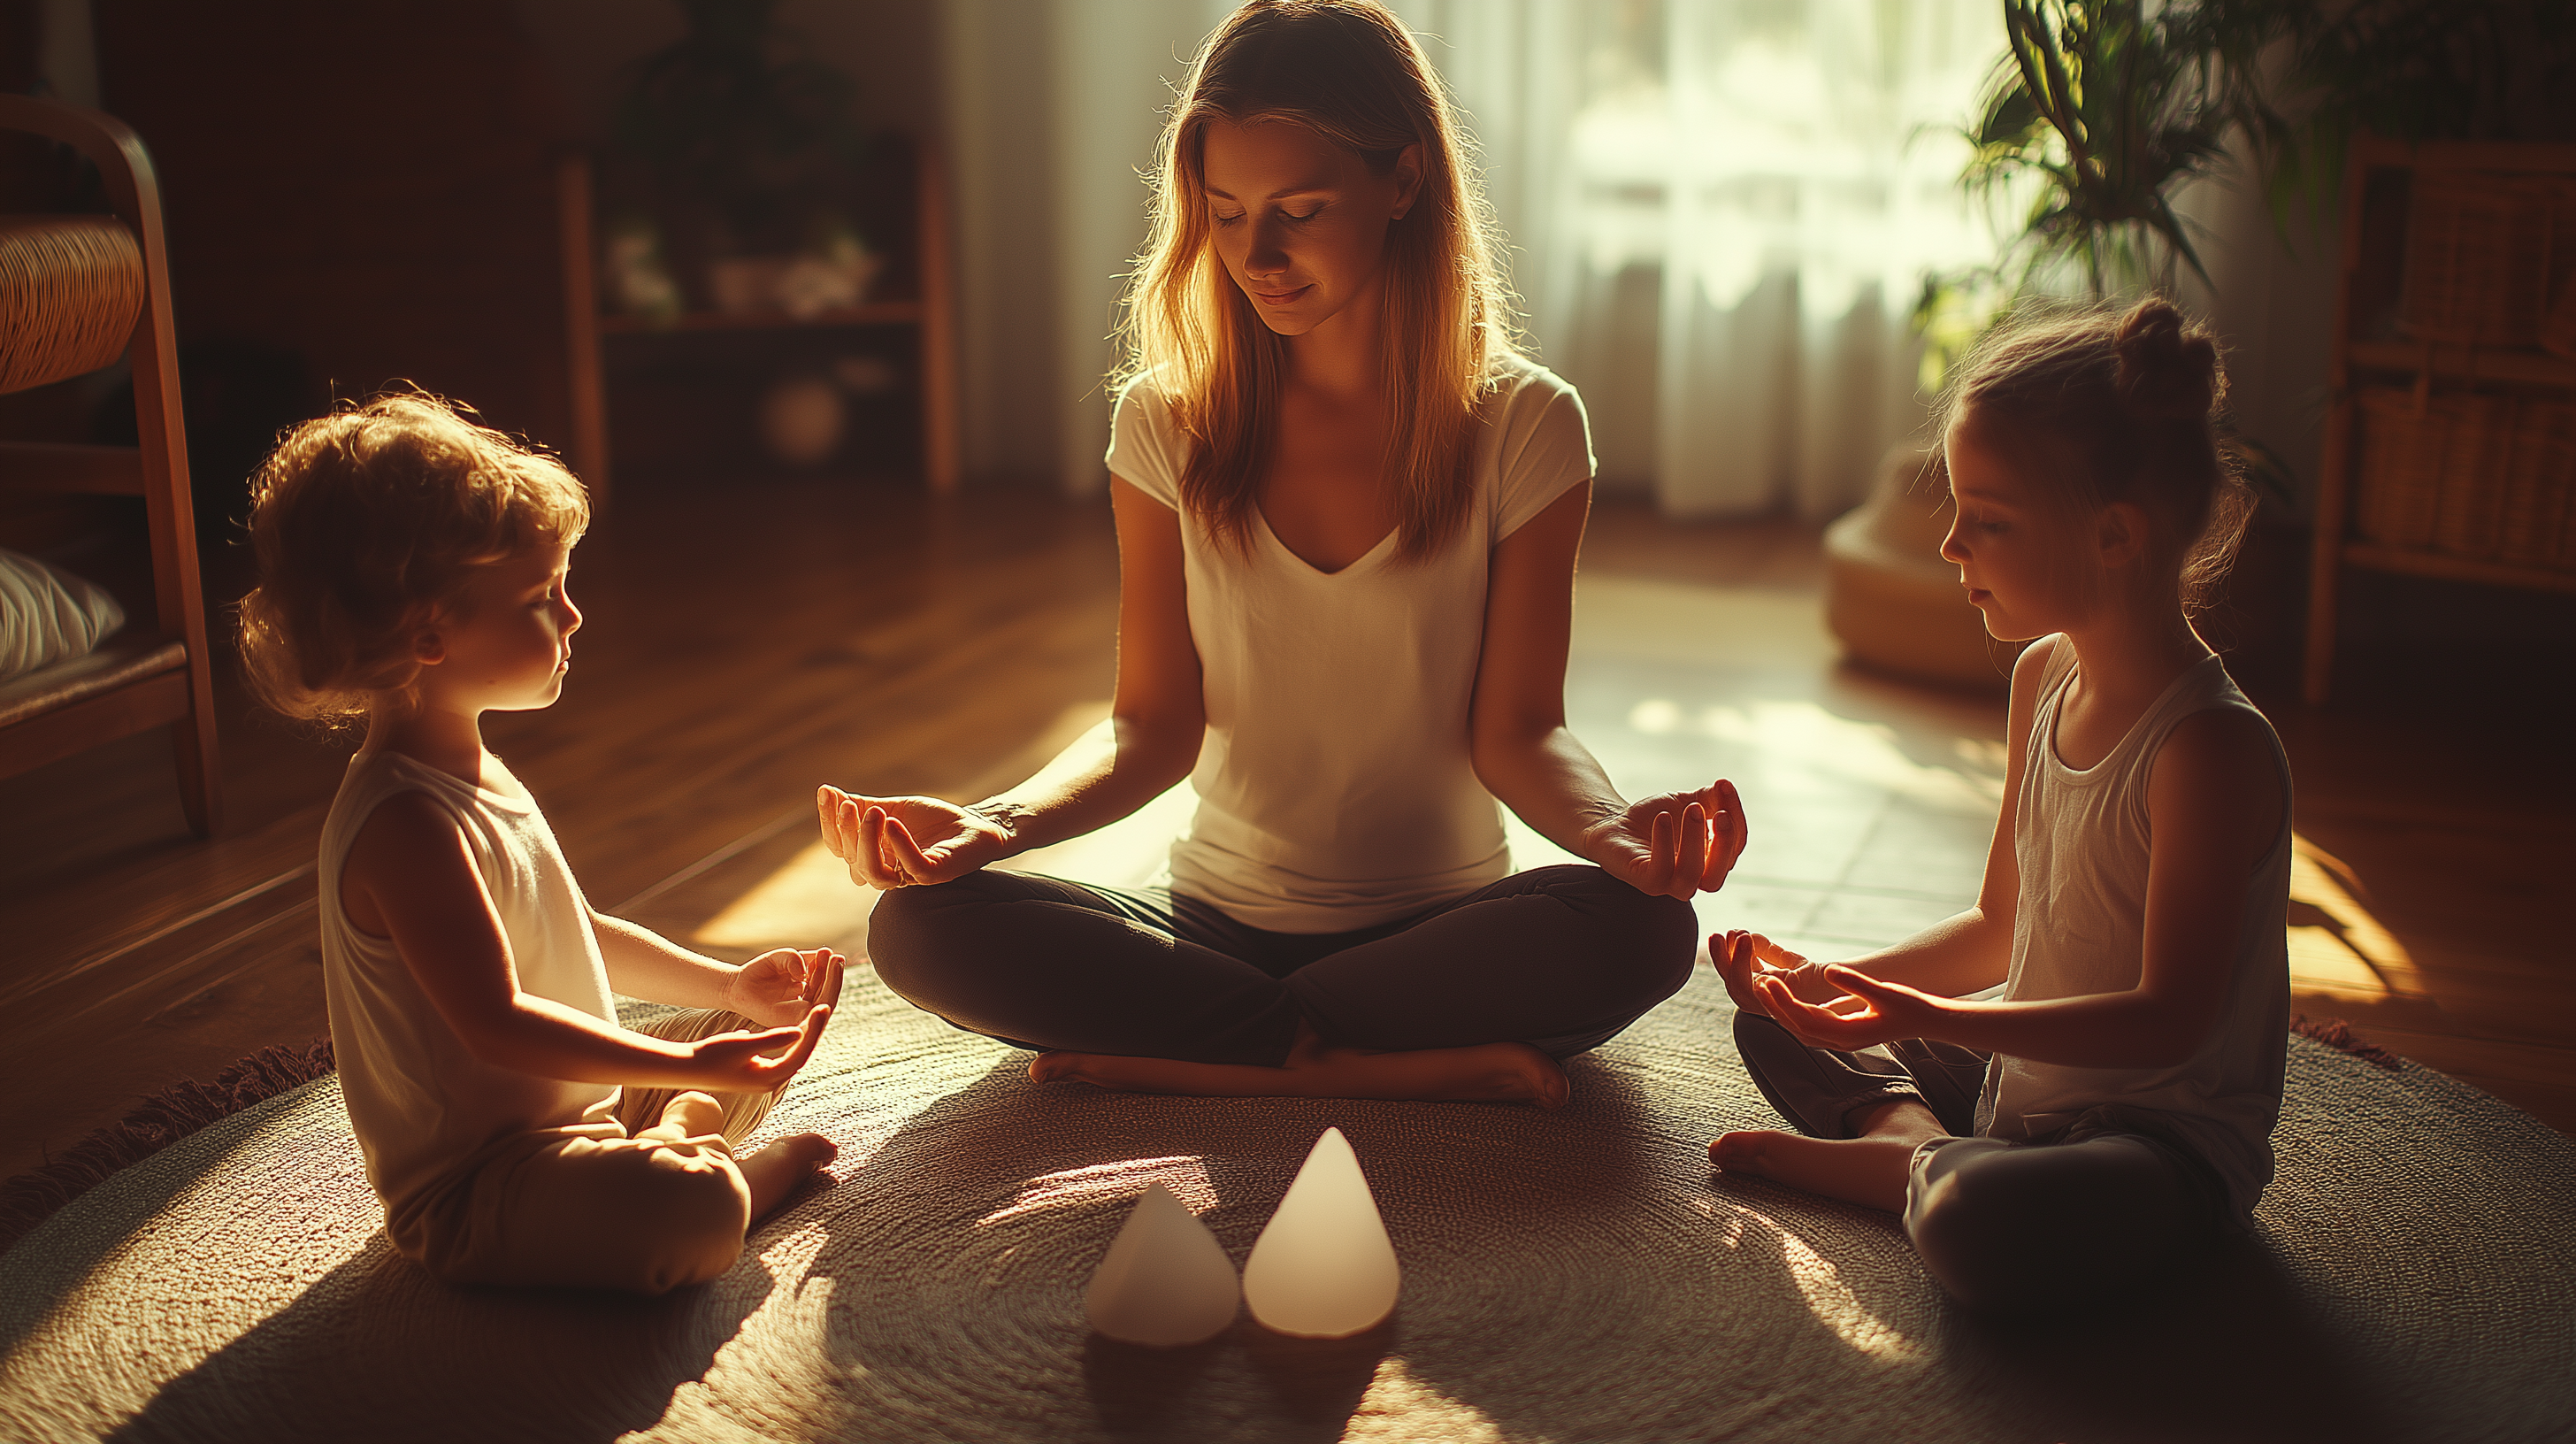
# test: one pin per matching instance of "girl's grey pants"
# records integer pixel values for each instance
(2093, 1211)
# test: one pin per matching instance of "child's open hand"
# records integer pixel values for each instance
(739, 1062)
(778, 986)
(892, 842)
(1867, 1013)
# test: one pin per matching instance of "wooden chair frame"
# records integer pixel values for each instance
(139, 682)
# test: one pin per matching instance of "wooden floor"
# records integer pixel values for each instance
(744, 643)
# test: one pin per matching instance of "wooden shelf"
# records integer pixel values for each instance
(2369, 279)
(2513, 157)
(928, 313)
(873, 313)
(2411, 563)
(2454, 362)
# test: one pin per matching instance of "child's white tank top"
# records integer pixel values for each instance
(419, 1100)
(2081, 839)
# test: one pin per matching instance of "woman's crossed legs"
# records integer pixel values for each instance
(1144, 991)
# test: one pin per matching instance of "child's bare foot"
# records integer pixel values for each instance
(1871, 1170)
(776, 1171)
(1486, 1073)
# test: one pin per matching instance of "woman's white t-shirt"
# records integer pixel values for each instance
(1335, 787)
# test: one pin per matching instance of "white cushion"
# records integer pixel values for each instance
(48, 616)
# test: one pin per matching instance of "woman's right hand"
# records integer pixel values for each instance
(1674, 844)
(1742, 957)
(892, 842)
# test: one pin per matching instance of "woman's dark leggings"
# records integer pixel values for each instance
(1561, 958)
(2092, 1211)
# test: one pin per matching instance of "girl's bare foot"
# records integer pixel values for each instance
(776, 1171)
(1871, 1170)
(1486, 1073)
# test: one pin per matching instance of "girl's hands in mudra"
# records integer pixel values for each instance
(1744, 959)
(892, 842)
(1867, 1012)
(1673, 844)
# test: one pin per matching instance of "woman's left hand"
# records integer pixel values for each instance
(1868, 1013)
(1674, 844)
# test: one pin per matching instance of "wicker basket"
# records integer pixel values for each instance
(2558, 325)
(2539, 522)
(2558, 332)
(2432, 470)
(2475, 454)
(2478, 260)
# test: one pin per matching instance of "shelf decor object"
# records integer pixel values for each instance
(757, 235)
(918, 303)
(2450, 451)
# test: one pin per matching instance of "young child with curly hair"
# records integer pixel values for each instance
(412, 574)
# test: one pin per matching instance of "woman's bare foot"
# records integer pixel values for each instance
(776, 1171)
(1871, 1170)
(1486, 1073)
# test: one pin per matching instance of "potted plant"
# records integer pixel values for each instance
(733, 160)
(2102, 108)
(2097, 114)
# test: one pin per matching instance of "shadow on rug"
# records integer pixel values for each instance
(1574, 1275)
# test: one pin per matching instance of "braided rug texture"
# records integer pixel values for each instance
(1577, 1275)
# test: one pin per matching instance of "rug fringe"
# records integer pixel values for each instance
(159, 1121)
(2337, 1034)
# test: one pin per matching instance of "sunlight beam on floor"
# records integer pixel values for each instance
(2337, 947)
(1128, 1178)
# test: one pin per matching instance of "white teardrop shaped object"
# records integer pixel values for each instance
(1324, 1268)
(1166, 1280)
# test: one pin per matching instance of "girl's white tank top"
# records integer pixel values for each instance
(418, 1098)
(2081, 838)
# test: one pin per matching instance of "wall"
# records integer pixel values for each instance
(2270, 298)
(886, 46)
(368, 188)
(1040, 261)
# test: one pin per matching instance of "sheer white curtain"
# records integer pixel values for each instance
(1719, 211)
(1724, 210)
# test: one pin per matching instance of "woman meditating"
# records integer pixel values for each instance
(1347, 511)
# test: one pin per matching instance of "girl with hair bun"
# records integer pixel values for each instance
(2111, 1111)
(1348, 511)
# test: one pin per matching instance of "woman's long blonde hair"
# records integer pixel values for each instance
(1351, 72)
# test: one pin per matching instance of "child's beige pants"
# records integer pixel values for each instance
(625, 1199)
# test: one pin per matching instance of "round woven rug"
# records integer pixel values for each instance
(1578, 1275)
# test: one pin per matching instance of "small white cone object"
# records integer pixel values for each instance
(1166, 1281)
(1324, 1268)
